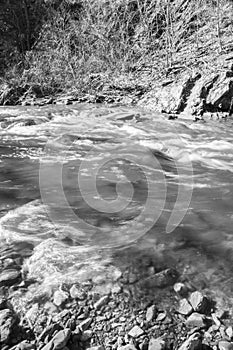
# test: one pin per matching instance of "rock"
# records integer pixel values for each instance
(225, 345)
(156, 344)
(184, 307)
(61, 338)
(161, 316)
(98, 279)
(76, 334)
(196, 320)
(115, 274)
(102, 289)
(216, 320)
(135, 332)
(221, 93)
(213, 329)
(132, 278)
(32, 313)
(192, 343)
(161, 279)
(127, 347)
(85, 324)
(221, 314)
(116, 288)
(77, 292)
(86, 335)
(144, 345)
(199, 302)
(50, 307)
(60, 297)
(98, 347)
(229, 332)
(24, 345)
(101, 302)
(48, 346)
(170, 97)
(7, 320)
(9, 277)
(222, 332)
(181, 289)
(150, 313)
(9, 262)
(4, 304)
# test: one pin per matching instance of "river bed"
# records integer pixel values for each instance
(88, 191)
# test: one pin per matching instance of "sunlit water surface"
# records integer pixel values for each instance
(86, 190)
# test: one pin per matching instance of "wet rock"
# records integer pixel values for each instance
(184, 307)
(101, 302)
(199, 302)
(60, 297)
(9, 277)
(181, 289)
(150, 313)
(135, 332)
(7, 320)
(115, 274)
(77, 292)
(225, 345)
(156, 344)
(192, 343)
(196, 320)
(161, 279)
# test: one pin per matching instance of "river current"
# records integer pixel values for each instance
(87, 190)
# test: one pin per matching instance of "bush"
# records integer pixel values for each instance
(70, 40)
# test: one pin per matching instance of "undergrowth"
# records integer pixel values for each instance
(97, 42)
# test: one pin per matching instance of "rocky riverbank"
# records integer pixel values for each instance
(193, 94)
(168, 314)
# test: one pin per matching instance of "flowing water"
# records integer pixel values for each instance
(87, 190)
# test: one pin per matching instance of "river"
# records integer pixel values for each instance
(89, 190)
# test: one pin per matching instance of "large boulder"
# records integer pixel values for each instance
(221, 94)
(169, 96)
(193, 94)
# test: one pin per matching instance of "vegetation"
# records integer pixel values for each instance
(84, 45)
